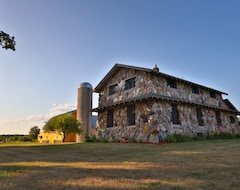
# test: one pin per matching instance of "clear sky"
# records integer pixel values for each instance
(61, 43)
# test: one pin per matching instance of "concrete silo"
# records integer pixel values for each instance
(84, 106)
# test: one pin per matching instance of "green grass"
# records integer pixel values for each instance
(179, 166)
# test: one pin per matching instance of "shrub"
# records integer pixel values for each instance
(171, 139)
(221, 135)
(198, 138)
(237, 135)
(91, 138)
(179, 138)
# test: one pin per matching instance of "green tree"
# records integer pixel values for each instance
(34, 132)
(6, 41)
(65, 123)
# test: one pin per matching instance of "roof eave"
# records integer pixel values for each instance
(166, 98)
(113, 71)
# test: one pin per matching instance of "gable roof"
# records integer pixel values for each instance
(230, 105)
(117, 66)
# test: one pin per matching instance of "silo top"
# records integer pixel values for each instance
(85, 85)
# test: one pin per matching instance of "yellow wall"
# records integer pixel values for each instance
(50, 137)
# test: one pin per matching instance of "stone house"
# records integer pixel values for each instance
(139, 103)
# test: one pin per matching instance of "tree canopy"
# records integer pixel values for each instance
(65, 123)
(34, 132)
(6, 41)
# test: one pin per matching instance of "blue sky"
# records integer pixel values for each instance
(61, 43)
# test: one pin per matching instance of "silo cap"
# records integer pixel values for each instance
(85, 85)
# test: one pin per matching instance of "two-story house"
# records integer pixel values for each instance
(135, 102)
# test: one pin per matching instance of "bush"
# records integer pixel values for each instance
(179, 138)
(198, 138)
(91, 138)
(221, 135)
(215, 136)
(237, 135)
(171, 139)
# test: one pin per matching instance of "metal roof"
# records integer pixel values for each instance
(85, 85)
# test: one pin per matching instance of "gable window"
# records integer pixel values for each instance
(112, 89)
(195, 90)
(130, 83)
(110, 118)
(232, 119)
(131, 114)
(171, 82)
(212, 94)
(218, 118)
(175, 114)
(199, 116)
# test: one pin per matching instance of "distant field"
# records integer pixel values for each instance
(194, 165)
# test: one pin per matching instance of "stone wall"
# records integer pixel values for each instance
(146, 83)
(157, 115)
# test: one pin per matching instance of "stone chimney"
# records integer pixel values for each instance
(156, 69)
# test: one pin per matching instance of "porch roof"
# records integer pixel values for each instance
(169, 99)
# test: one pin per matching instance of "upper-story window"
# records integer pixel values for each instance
(171, 82)
(195, 90)
(130, 83)
(212, 94)
(112, 89)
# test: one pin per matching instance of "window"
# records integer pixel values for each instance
(212, 94)
(232, 119)
(130, 83)
(195, 90)
(175, 114)
(219, 122)
(110, 118)
(131, 114)
(171, 83)
(199, 116)
(112, 89)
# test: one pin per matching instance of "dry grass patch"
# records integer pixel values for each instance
(194, 165)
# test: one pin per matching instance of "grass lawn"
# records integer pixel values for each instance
(204, 165)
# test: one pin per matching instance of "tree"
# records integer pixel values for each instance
(34, 132)
(65, 123)
(6, 41)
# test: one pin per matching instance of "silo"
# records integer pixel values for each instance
(84, 113)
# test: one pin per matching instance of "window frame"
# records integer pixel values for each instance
(171, 82)
(110, 118)
(199, 115)
(212, 94)
(175, 114)
(130, 83)
(195, 89)
(131, 114)
(218, 118)
(232, 119)
(112, 89)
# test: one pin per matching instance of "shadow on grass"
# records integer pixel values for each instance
(45, 177)
(195, 165)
